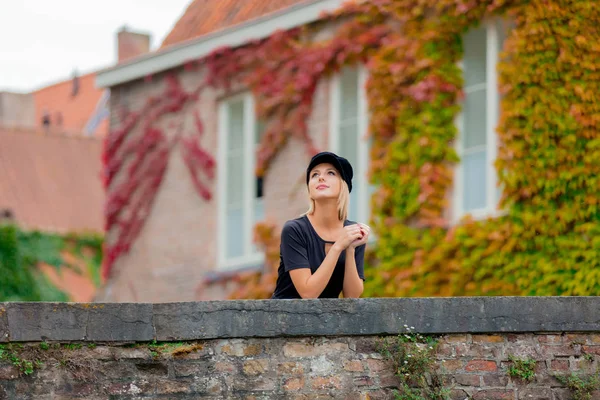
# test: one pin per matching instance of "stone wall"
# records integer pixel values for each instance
(306, 349)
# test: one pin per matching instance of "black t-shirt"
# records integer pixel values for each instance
(301, 247)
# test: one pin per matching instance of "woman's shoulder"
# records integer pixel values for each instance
(349, 222)
(295, 224)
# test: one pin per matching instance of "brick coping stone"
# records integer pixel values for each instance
(118, 322)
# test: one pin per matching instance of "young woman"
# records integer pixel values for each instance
(322, 252)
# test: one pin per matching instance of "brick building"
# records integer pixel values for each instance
(186, 239)
(172, 223)
(183, 239)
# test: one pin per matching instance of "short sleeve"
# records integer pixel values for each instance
(359, 258)
(294, 249)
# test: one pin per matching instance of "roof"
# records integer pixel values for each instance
(51, 182)
(206, 16)
(172, 56)
(75, 110)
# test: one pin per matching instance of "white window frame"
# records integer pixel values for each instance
(492, 116)
(251, 256)
(360, 181)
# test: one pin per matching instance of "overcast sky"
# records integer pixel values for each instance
(43, 41)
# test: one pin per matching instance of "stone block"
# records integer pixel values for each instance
(481, 365)
(494, 394)
(120, 322)
(46, 321)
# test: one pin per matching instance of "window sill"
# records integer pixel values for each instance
(241, 263)
(219, 276)
(479, 215)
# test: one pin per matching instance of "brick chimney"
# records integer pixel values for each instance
(131, 44)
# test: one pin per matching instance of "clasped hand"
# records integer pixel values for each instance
(354, 235)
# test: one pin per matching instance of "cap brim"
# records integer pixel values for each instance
(326, 158)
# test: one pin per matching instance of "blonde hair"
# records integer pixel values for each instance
(342, 202)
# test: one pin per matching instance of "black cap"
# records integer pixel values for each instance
(340, 163)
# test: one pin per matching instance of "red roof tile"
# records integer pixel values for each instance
(205, 16)
(75, 109)
(51, 182)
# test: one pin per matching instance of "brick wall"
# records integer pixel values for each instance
(476, 367)
(178, 243)
(293, 349)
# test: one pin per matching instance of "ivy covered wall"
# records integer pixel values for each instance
(547, 242)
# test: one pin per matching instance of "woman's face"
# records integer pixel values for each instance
(324, 182)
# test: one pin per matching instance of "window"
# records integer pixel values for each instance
(241, 203)
(476, 190)
(348, 135)
(101, 112)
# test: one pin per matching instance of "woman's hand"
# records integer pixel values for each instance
(365, 231)
(349, 235)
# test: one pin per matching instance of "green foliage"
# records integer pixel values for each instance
(546, 243)
(17, 281)
(413, 357)
(28, 358)
(581, 386)
(21, 252)
(522, 368)
(88, 247)
(11, 353)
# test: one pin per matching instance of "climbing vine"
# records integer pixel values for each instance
(547, 244)
(547, 240)
(21, 252)
(142, 160)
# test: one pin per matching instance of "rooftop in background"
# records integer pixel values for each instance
(51, 182)
(77, 106)
(73, 106)
(206, 16)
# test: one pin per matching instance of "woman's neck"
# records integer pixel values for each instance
(326, 215)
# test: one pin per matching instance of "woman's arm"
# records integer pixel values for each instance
(353, 278)
(310, 286)
(353, 284)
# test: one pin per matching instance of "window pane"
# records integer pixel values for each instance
(349, 94)
(474, 167)
(259, 215)
(475, 119)
(234, 239)
(353, 207)
(475, 63)
(348, 143)
(503, 27)
(259, 130)
(236, 125)
(235, 178)
(259, 210)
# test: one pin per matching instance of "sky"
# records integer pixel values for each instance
(44, 41)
